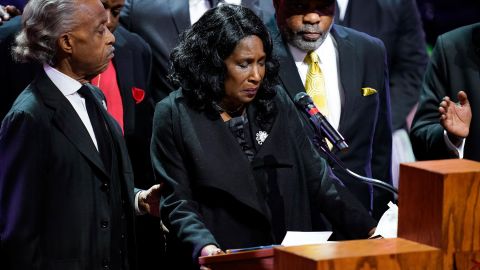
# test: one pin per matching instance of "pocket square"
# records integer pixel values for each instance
(367, 91)
(138, 94)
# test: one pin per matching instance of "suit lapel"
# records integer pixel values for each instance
(347, 72)
(67, 120)
(182, 14)
(118, 147)
(288, 70)
(124, 70)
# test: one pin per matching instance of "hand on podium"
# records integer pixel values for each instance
(209, 250)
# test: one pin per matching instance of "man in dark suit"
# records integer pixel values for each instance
(160, 22)
(66, 183)
(356, 81)
(398, 25)
(441, 129)
(129, 82)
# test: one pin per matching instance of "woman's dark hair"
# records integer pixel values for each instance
(198, 60)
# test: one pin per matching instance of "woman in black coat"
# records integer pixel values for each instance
(237, 166)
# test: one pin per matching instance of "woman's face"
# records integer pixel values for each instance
(245, 72)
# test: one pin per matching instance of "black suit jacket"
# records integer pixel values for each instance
(52, 204)
(365, 120)
(397, 23)
(454, 66)
(133, 66)
(132, 63)
(215, 195)
(160, 22)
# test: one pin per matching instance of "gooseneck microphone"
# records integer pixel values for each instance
(305, 102)
(325, 129)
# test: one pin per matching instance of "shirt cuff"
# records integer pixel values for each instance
(458, 151)
(138, 211)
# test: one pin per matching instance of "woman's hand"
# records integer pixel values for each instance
(209, 250)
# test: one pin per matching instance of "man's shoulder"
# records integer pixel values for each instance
(463, 35)
(10, 28)
(359, 38)
(363, 43)
(28, 102)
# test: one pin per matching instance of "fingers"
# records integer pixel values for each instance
(210, 250)
(443, 106)
(156, 188)
(462, 98)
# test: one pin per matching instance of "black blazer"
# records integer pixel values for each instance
(52, 202)
(397, 23)
(454, 66)
(365, 120)
(132, 62)
(160, 22)
(214, 194)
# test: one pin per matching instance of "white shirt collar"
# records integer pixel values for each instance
(67, 85)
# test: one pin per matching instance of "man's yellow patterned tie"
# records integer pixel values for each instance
(315, 85)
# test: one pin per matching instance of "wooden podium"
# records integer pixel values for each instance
(379, 254)
(439, 206)
(391, 254)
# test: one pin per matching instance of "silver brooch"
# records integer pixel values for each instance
(261, 136)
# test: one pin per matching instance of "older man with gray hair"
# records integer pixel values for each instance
(66, 183)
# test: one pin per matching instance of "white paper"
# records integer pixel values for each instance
(387, 226)
(305, 238)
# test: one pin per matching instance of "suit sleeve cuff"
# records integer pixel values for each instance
(138, 211)
(458, 151)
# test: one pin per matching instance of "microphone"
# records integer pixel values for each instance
(304, 101)
(320, 122)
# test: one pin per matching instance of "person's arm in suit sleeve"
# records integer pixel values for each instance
(409, 59)
(427, 134)
(341, 208)
(23, 172)
(382, 139)
(179, 210)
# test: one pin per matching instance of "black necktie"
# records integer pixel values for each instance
(99, 126)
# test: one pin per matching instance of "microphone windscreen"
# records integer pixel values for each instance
(302, 99)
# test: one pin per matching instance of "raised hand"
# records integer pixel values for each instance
(456, 117)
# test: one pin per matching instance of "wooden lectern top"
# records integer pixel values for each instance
(391, 254)
(356, 248)
(447, 166)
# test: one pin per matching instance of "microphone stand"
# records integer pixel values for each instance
(322, 145)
